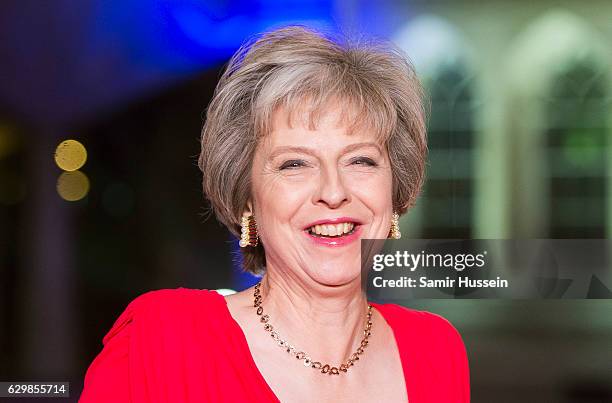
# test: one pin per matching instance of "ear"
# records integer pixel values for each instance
(249, 206)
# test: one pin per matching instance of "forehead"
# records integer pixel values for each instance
(331, 125)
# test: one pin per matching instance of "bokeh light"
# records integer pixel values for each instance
(72, 186)
(8, 140)
(70, 155)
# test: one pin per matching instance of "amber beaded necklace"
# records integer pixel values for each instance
(300, 355)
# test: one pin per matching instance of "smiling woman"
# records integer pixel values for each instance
(290, 84)
(309, 145)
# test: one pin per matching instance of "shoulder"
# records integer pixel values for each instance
(179, 303)
(422, 326)
(407, 315)
(168, 307)
(152, 336)
(170, 298)
(434, 349)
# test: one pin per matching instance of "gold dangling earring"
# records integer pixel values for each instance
(395, 233)
(248, 231)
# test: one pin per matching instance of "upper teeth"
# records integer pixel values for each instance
(332, 229)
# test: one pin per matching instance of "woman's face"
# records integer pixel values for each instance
(316, 193)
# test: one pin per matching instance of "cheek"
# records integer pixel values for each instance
(277, 201)
(374, 190)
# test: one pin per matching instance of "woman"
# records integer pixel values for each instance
(308, 147)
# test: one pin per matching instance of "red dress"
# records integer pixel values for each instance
(183, 345)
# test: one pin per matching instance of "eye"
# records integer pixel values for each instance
(365, 161)
(292, 164)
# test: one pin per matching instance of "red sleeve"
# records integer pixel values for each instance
(107, 378)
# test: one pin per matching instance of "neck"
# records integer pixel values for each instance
(326, 322)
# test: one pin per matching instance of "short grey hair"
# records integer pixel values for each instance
(284, 68)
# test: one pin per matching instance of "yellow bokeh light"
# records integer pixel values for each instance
(70, 155)
(72, 186)
(8, 142)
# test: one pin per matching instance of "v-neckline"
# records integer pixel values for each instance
(251, 361)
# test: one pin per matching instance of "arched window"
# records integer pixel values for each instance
(444, 61)
(577, 154)
(447, 200)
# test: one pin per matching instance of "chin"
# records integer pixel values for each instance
(336, 275)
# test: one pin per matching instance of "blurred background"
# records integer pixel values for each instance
(101, 105)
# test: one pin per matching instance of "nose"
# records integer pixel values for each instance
(331, 189)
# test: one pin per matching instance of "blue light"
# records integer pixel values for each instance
(184, 36)
(240, 280)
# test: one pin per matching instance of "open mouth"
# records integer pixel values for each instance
(331, 231)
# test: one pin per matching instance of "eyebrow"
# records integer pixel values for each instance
(305, 150)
